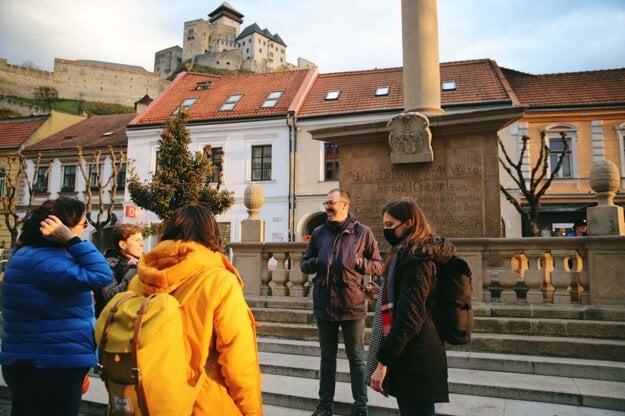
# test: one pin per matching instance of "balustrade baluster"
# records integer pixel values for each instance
(561, 276)
(583, 280)
(535, 275)
(507, 277)
(296, 277)
(280, 277)
(265, 276)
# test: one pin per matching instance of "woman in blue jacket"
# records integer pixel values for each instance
(48, 344)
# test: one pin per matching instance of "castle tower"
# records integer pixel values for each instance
(226, 15)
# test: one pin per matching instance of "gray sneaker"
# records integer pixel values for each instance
(322, 411)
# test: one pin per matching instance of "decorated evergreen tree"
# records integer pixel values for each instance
(181, 176)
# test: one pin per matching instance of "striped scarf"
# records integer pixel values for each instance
(387, 297)
(377, 331)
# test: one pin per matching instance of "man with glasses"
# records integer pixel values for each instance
(339, 253)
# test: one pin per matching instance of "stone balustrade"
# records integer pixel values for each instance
(583, 270)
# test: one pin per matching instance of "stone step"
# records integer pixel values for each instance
(584, 348)
(558, 346)
(302, 394)
(551, 327)
(518, 386)
(521, 310)
(526, 364)
(490, 324)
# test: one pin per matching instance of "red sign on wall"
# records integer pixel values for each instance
(131, 211)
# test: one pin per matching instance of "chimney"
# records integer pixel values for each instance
(422, 76)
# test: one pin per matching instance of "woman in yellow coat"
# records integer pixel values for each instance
(219, 327)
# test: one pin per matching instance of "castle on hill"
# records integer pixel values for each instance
(219, 43)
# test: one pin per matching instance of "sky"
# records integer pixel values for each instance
(533, 36)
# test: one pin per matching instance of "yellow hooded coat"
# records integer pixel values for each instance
(220, 329)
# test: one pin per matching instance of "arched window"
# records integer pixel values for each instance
(556, 135)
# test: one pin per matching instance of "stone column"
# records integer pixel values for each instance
(606, 218)
(422, 79)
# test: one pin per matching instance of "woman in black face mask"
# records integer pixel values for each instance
(407, 359)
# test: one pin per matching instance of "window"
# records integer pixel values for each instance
(272, 99)
(3, 177)
(261, 163)
(331, 162)
(186, 104)
(94, 173)
(381, 91)
(216, 156)
(40, 184)
(556, 148)
(449, 85)
(121, 176)
(69, 178)
(231, 102)
(333, 95)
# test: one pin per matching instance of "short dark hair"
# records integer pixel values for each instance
(193, 222)
(344, 194)
(68, 210)
(122, 232)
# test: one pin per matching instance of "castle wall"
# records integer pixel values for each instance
(231, 60)
(104, 83)
(81, 80)
(21, 81)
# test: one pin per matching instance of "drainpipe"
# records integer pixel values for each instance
(291, 121)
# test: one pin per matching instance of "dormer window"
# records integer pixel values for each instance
(382, 91)
(272, 99)
(333, 95)
(448, 85)
(231, 102)
(203, 85)
(106, 134)
(186, 104)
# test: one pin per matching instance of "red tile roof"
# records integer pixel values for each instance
(14, 131)
(91, 133)
(254, 87)
(572, 88)
(477, 81)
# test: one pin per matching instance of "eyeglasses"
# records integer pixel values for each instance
(330, 203)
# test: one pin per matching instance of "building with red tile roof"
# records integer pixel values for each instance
(229, 113)
(589, 108)
(59, 171)
(15, 135)
(247, 123)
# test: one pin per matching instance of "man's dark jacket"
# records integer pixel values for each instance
(332, 255)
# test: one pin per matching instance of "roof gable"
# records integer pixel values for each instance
(96, 132)
(476, 82)
(602, 87)
(15, 131)
(212, 91)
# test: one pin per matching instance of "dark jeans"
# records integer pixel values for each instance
(354, 338)
(407, 408)
(44, 391)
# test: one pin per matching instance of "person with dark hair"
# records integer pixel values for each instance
(339, 253)
(580, 229)
(220, 330)
(48, 343)
(123, 258)
(407, 359)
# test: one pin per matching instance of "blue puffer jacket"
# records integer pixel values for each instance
(48, 305)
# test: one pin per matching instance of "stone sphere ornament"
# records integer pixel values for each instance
(253, 198)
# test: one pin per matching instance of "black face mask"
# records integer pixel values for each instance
(389, 235)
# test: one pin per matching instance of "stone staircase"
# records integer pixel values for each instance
(522, 360)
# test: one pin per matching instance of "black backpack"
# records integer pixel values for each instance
(450, 303)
